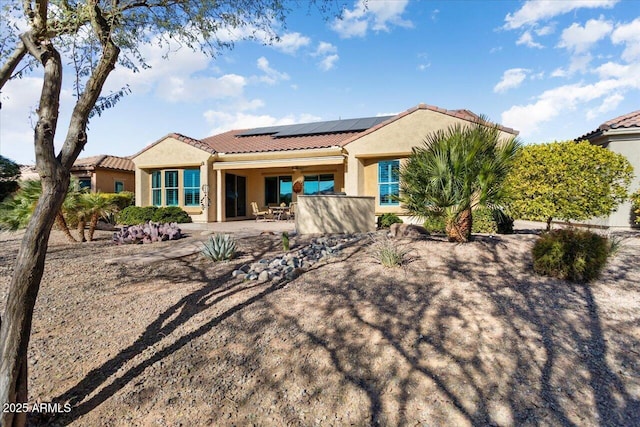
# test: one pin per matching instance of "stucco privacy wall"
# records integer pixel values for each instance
(171, 154)
(335, 214)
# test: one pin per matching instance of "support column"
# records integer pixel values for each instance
(219, 196)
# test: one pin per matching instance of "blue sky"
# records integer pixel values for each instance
(553, 70)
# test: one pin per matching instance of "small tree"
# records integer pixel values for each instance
(9, 175)
(635, 206)
(456, 171)
(572, 181)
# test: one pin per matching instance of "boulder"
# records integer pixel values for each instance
(413, 231)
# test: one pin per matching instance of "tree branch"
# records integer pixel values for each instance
(7, 69)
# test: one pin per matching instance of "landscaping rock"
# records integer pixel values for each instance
(408, 230)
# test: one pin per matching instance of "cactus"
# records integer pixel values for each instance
(147, 233)
(220, 247)
(285, 241)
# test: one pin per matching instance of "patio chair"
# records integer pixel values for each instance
(258, 213)
(292, 211)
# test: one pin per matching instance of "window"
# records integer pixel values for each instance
(156, 188)
(278, 189)
(119, 187)
(389, 182)
(171, 188)
(84, 183)
(191, 183)
(318, 184)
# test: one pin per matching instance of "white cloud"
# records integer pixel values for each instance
(511, 79)
(424, 67)
(628, 34)
(546, 30)
(495, 49)
(527, 39)
(193, 89)
(291, 42)
(271, 76)
(329, 53)
(610, 103)
(224, 121)
(579, 39)
(533, 11)
(328, 62)
(551, 103)
(377, 15)
(579, 63)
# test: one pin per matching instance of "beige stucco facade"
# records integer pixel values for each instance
(353, 164)
(335, 214)
(104, 180)
(624, 141)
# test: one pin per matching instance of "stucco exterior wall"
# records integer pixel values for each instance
(394, 140)
(172, 154)
(335, 214)
(105, 180)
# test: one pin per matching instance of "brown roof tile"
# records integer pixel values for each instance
(229, 142)
(188, 140)
(104, 161)
(630, 120)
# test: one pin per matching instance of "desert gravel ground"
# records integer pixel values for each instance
(461, 335)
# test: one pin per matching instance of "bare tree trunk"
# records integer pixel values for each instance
(459, 229)
(82, 223)
(549, 223)
(61, 223)
(92, 225)
(15, 326)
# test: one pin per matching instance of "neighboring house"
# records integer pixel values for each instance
(216, 178)
(104, 173)
(620, 135)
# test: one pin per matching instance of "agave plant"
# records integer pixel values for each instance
(220, 247)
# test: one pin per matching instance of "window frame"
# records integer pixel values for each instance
(317, 180)
(390, 183)
(175, 189)
(193, 190)
(115, 186)
(156, 190)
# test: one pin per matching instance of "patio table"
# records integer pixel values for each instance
(280, 211)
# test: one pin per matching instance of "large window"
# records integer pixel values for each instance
(171, 188)
(389, 182)
(156, 188)
(318, 184)
(191, 187)
(278, 189)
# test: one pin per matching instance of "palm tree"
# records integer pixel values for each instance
(93, 206)
(456, 171)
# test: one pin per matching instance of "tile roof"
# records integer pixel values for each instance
(232, 142)
(630, 120)
(104, 161)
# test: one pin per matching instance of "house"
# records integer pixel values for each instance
(620, 135)
(105, 173)
(216, 178)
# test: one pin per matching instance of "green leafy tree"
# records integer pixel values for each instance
(572, 181)
(9, 175)
(94, 36)
(635, 206)
(456, 171)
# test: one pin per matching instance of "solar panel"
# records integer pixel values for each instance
(317, 128)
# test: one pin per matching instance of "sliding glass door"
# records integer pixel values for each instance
(235, 196)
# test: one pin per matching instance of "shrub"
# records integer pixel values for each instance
(503, 221)
(171, 214)
(635, 206)
(483, 221)
(574, 255)
(120, 200)
(385, 220)
(435, 224)
(134, 215)
(389, 253)
(220, 247)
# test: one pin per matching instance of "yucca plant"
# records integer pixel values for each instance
(220, 247)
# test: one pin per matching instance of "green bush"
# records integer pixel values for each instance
(483, 222)
(388, 252)
(503, 221)
(171, 214)
(385, 220)
(574, 255)
(134, 215)
(120, 200)
(435, 224)
(635, 206)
